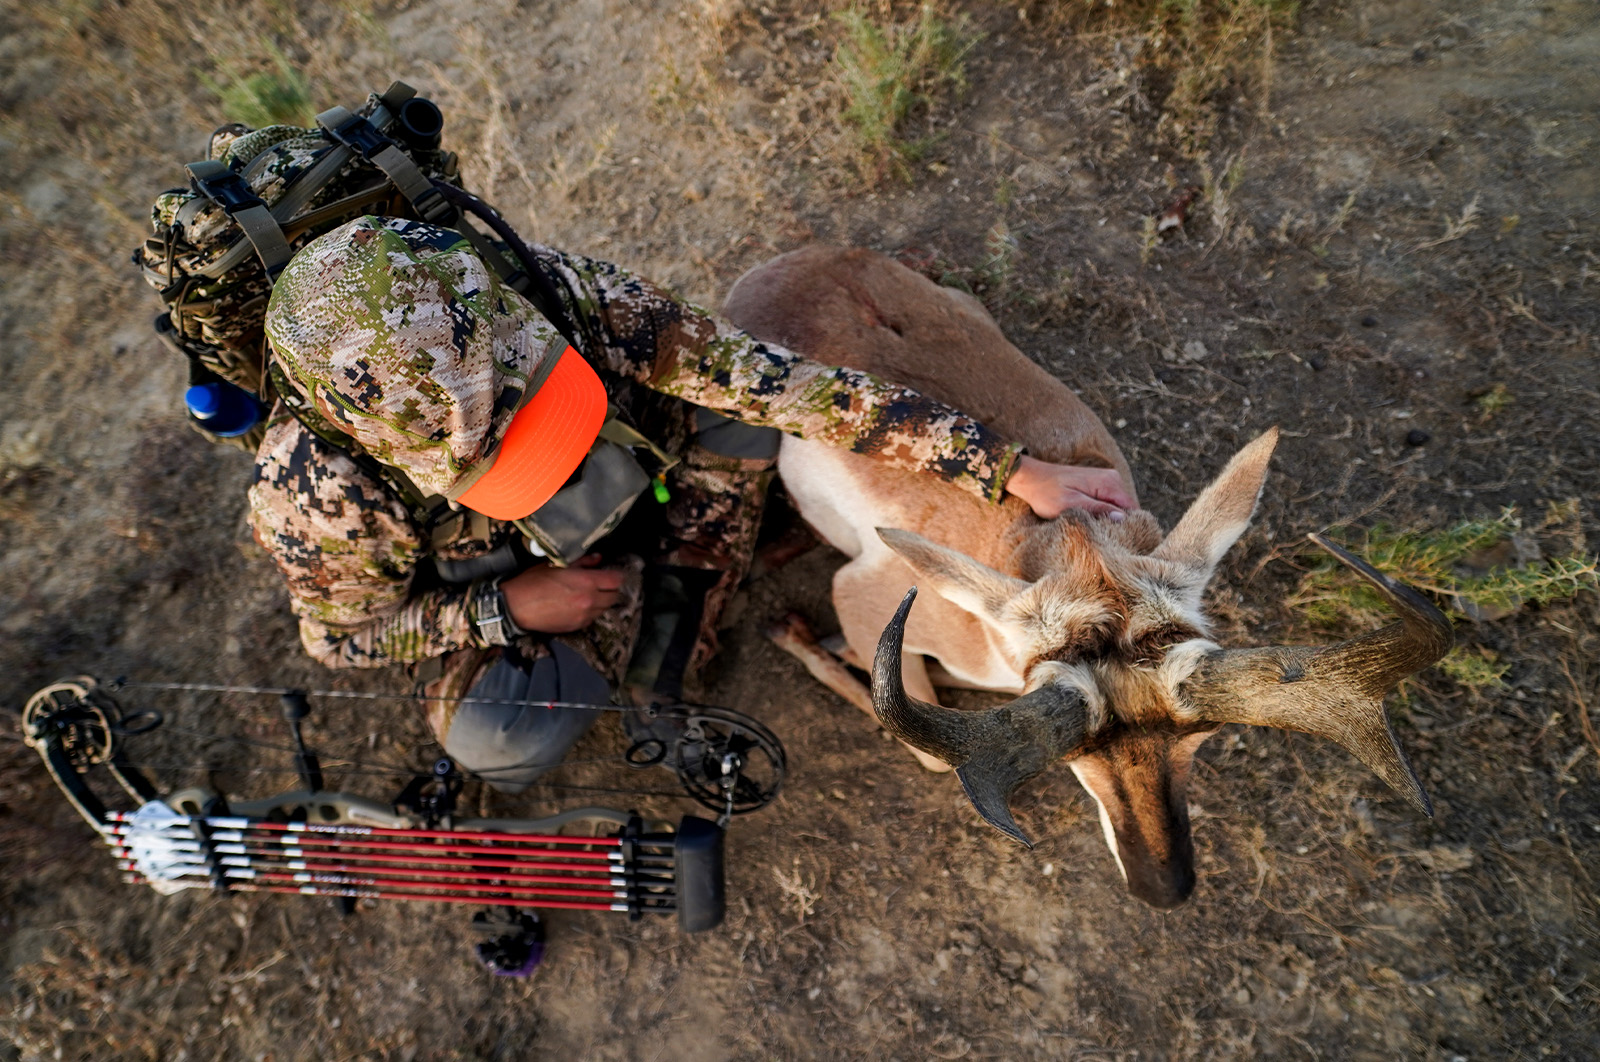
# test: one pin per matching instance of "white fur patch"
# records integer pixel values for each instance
(1105, 821)
(1182, 603)
(1038, 621)
(819, 480)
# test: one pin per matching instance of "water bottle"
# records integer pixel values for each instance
(222, 409)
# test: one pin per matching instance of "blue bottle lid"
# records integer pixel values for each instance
(203, 400)
(223, 409)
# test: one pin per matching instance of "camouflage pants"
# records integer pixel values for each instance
(711, 524)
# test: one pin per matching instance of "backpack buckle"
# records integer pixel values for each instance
(215, 181)
(355, 133)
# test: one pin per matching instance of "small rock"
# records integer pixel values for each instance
(1362, 813)
(1417, 437)
(1387, 975)
(1448, 858)
(45, 199)
(1031, 176)
(1317, 361)
(1242, 997)
(1525, 548)
(1194, 350)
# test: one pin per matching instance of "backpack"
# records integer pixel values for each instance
(257, 197)
(262, 194)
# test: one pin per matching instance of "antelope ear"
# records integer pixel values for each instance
(1219, 516)
(954, 576)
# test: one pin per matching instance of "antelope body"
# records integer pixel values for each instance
(1096, 626)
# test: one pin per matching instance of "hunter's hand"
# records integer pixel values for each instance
(559, 600)
(1051, 490)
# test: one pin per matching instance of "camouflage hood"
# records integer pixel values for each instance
(402, 337)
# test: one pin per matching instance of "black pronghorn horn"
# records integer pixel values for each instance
(994, 750)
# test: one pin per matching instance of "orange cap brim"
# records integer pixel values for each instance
(544, 443)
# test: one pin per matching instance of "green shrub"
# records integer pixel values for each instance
(1432, 561)
(889, 72)
(278, 97)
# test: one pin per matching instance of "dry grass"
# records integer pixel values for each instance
(862, 78)
(996, 271)
(1200, 56)
(1330, 922)
(801, 892)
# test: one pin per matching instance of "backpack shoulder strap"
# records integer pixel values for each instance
(350, 134)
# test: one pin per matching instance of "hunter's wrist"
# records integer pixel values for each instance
(491, 614)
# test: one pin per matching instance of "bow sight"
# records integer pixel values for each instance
(312, 841)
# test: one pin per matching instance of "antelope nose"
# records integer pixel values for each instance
(1164, 887)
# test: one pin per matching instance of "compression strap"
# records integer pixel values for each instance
(217, 183)
(365, 139)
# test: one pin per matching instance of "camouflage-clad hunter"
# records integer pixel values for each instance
(401, 337)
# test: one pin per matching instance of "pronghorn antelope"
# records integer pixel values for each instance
(1095, 626)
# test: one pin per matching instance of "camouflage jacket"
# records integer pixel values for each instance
(350, 550)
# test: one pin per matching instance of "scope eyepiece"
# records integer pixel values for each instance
(420, 123)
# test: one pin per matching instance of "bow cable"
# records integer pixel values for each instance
(366, 695)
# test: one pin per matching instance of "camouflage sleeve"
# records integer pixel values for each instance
(679, 349)
(348, 550)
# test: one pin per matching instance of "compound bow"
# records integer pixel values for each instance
(312, 841)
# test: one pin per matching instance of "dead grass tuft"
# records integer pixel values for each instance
(800, 891)
(998, 267)
(1198, 55)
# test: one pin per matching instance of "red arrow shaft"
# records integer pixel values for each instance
(388, 881)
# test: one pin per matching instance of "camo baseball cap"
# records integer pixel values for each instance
(406, 340)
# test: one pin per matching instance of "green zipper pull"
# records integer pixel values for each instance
(658, 486)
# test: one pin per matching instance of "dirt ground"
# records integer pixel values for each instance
(1400, 217)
